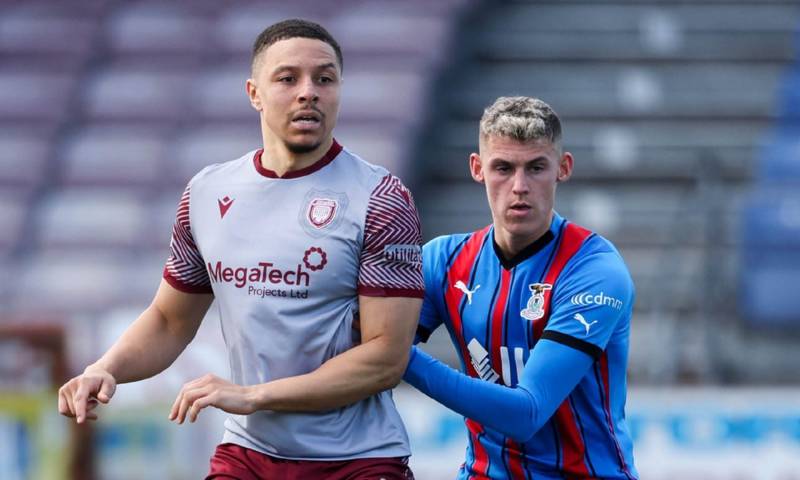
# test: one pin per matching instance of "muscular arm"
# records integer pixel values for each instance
(377, 364)
(157, 337)
(150, 345)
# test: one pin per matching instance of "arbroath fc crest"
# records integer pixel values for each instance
(535, 308)
(321, 211)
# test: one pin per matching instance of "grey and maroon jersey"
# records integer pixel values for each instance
(286, 258)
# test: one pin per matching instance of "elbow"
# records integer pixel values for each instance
(391, 375)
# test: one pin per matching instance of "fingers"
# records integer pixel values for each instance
(107, 389)
(176, 405)
(188, 395)
(191, 398)
(200, 404)
(81, 395)
(64, 402)
(81, 399)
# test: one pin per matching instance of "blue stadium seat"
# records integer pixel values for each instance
(780, 158)
(770, 257)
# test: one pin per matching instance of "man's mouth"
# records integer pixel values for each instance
(520, 207)
(306, 118)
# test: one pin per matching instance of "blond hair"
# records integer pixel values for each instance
(524, 119)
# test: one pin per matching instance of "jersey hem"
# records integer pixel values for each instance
(233, 437)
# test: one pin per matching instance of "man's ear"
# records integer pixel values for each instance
(252, 94)
(475, 167)
(565, 167)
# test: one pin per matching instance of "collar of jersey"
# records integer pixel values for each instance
(326, 159)
(532, 249)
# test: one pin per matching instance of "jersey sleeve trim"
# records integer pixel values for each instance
(581, 345)
(185, 287)
(369, 291)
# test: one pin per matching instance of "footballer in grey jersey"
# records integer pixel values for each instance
(286, 259)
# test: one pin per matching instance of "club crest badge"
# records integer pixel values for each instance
(535, 308)
(321, 211)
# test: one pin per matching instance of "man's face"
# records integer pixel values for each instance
(295, 87)
(520, 179)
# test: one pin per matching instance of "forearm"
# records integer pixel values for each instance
(148, 346)
(510, 411)
(550, 374)
(353, 375)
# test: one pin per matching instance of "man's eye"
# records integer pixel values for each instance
(285, 79)
(325, 79)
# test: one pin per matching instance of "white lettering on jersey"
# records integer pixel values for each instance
(480, 360)
(506, 361)
(409, 254)
(586, 298)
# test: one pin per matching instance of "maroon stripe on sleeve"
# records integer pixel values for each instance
(185, 269)
(391, 257)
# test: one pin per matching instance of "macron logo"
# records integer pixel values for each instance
(224, 205)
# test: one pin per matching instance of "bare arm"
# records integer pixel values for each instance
(377, 364)
(148, 346)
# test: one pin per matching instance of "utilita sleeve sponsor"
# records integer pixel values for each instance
(411, 254)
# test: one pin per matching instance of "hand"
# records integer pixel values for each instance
(80, 396)
(214, 391)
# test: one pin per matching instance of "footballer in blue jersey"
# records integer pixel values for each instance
(539, 311)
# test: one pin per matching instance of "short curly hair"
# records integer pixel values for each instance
(294, 28)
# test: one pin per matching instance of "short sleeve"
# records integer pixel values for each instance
(593, 296)
(185, 269)
(432, 270)
(391, 256)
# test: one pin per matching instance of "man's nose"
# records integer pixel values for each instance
(308, 91)
(520, 183)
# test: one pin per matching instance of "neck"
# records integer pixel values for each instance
(278, 158)
(511, 244)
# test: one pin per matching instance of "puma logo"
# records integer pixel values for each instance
(460, 285)
(583, 321)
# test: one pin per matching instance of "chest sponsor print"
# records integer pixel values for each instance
(267, 279)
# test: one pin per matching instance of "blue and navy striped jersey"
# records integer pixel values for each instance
(544, 337)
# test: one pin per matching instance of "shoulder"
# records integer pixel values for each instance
(365, 173)
(223, 170)
(598, 262)
(441, 249)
